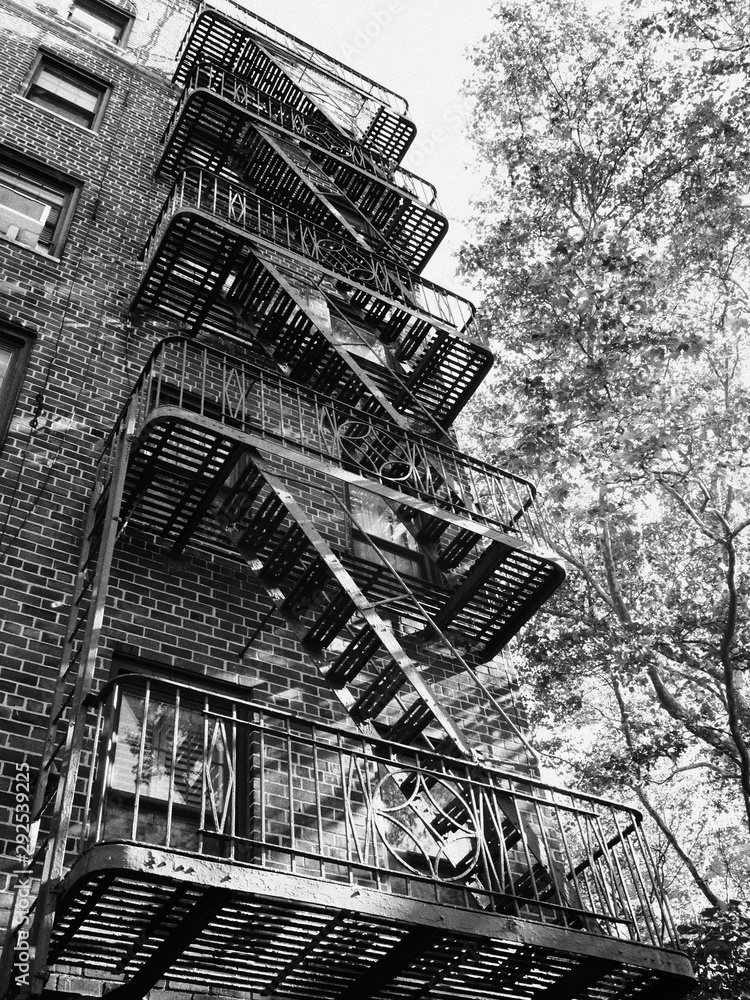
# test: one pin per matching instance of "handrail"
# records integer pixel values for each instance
(315, 130)
(302, 50)
(408, 822)
(207, 382)
(236, 205)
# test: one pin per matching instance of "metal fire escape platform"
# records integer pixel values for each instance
(217, 245)
(217, 110)
(143, 915)
(230, 37)
(203, 415)
(367, 870)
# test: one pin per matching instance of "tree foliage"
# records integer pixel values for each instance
(611, 250)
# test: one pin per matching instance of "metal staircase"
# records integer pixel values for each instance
(295, 240)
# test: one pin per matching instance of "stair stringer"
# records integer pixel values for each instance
(64, 742)
(508, 825)
(365, 609)
(379, 401)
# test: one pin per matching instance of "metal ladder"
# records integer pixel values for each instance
(56, 781)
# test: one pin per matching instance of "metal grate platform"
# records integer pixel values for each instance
(231, 42)
(125, 909)
(209, 126)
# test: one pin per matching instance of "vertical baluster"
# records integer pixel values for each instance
(203, 378)
(609, 882)
(504, 871)
(344, 798)
(615, 852)
(182, 372)
(591, 867)
(528, 855)
(95, 754)
(244, 393)
(474, 489)
(263, 408)
(522, 515)
(139, 766)
(300, 419)
(263, 832)
(113, 711)
(204, 775)
(173, 766)
(645, 893)
(585, 900)
(666, 933)
(558, 890)
(318, 792)
(372, 771)
(290, 796)
(233, 778)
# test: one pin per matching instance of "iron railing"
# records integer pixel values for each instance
(302, 51)
(244, 396)
(317, 131)
(188, 770)
(340, 256)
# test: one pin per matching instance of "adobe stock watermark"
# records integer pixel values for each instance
(452, 121)
(22, 827)
(371, 29)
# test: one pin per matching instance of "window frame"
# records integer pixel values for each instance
(132, 674)
(34, 172)
(21, 343)
(358, 541)
(98, 7)
(74, 75)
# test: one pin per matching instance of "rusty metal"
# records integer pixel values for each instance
(330, 804)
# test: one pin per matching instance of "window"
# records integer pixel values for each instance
(60, 88)
(375, 518)
(35, 204)
(15, 348)
(107, 23)
(172, 754)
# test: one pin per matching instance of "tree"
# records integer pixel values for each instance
(611, 250)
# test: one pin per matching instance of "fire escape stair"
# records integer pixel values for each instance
(328, 610)
(188, 276)
(226, 43)
(361, 632)
(357, 651)
(178, 469)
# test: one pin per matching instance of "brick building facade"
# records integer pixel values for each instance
(258, 733)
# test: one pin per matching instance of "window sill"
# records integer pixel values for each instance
(92, 130)
(37, 253)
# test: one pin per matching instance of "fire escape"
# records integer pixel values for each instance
(301, 428)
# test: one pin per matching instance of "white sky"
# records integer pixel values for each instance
(417, 48)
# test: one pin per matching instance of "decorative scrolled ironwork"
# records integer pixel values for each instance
(330, 804)
(205, 381)
(335, 253)
(316, 131)
(427, 825)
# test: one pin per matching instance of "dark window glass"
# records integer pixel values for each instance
(62, 89)
(15, 348)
